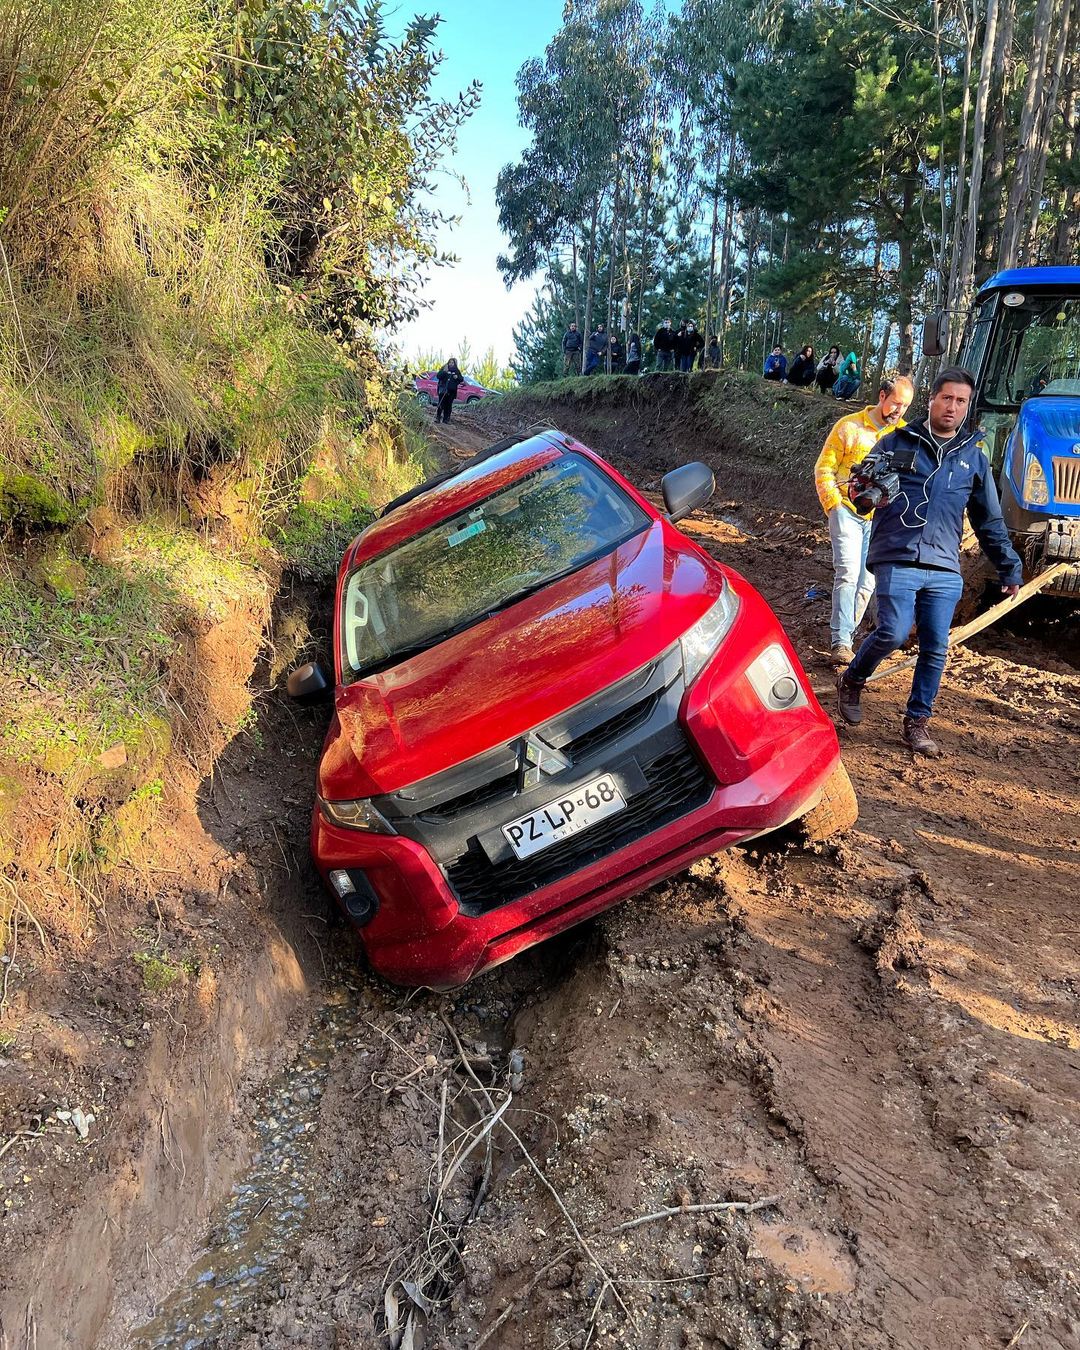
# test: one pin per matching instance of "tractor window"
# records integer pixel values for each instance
(974, 348)
(1037, 351)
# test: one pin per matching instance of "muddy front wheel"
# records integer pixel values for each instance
(837, 811)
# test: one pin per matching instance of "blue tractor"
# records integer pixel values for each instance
(1022, 344)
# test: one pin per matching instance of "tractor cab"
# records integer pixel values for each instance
(1022, 345)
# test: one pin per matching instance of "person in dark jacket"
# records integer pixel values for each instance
(826, 371)
(914, 549)
(688, 342)
(447, 383)
(633, 354)
(571, 351)
(803, 369)
(618, 355)
(713, 355)
(776, 365)
(597, 349)
(664, 345)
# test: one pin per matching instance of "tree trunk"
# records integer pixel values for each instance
(906, 281)
(712, 248)
(577, 288)
(965, 283)
(1067, 235)
(646, 220)
(992, 202)
(590, 269)
(725, 266)
(1050, 107)
(953, 280)
(1026, 146)
(613, 253)
(882, 357)
(751, 250)
(875, 287)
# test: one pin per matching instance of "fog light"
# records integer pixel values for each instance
(341, 882)
(786, 690)
(774, 680)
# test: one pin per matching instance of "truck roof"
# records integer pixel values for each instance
(1021, 278)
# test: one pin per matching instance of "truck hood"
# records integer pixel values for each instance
(514, 671)
(1050, 425)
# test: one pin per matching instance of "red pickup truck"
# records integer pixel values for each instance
(546, 698)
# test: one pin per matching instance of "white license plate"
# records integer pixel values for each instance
(581, 807)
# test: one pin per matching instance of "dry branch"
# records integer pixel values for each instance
(732, 1206)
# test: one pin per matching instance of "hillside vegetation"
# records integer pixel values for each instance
(204, 216)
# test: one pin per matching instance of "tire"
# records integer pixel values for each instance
(837, 811)
(473, 398)
(425, 400)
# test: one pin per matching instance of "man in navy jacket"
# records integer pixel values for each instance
(914, 549)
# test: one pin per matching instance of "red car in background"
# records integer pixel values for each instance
(546, 698)
(426, 389)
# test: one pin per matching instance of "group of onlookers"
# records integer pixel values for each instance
(834, 374)
(684, 347)
(674, 348)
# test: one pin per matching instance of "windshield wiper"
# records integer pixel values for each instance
(395, 658)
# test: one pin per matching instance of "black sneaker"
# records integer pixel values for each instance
(917, 739)
(848, 693)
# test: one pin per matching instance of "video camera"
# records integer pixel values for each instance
(874, 482)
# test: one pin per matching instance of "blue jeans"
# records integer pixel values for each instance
(906, 594)
(664, 360)
(686, 363)
(846, 387)
(853, 585)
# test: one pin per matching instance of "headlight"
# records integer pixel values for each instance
(699, 643)
(1036, 492)
(355, 815)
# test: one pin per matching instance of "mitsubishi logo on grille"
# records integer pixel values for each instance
(536, 758)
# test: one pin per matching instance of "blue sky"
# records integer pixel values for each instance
(487, 40)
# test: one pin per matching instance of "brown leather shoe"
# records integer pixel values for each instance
(917, 739)
(848, 693)
(841, 655)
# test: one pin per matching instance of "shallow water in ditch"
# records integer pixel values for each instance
(252, 1229)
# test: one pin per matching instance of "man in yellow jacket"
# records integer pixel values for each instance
(849, 442)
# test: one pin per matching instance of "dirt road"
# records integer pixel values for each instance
(876, 1043)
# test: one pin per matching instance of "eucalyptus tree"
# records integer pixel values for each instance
(584, 103)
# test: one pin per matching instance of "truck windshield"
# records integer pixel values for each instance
(469, 566)
(1036, 351)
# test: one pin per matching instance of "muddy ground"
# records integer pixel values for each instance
(871, 1048)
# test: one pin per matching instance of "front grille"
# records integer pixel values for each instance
(469, 801)
(619, 725)
(609, 732)
(1067, 481)
(677, 785)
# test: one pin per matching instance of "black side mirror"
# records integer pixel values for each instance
(307, 683)
(935, 333)
(686, 488)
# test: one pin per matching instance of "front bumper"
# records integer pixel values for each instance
(758, 769)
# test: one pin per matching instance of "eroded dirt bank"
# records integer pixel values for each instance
(877, 1040)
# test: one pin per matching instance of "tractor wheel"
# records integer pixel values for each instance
(837, 811)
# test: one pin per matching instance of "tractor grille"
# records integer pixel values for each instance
(1067, 481)
(677, 785)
